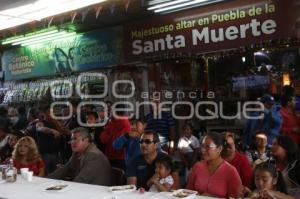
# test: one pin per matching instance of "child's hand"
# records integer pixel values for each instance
(267, 194)
(133, 134)
(154, 178)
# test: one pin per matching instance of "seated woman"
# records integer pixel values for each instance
(286, 154)
(213, 176)
(26, 155)
(269, 182)
(259, 152)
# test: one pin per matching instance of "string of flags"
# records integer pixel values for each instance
(79, 15)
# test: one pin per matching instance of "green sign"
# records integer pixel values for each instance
(79, 53)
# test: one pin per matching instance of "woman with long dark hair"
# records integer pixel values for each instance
(286, 154)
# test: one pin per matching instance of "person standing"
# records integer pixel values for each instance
(116, 127)
(270, 122)
(290, 126)
(162, 123)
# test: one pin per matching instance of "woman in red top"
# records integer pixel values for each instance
(213, 176)
(26, 155)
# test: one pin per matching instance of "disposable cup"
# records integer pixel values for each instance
(23, 172)
(29, 175)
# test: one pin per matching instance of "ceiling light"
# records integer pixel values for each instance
(166, 4)
(56, 38)
(28, 36)
(39, 10)
(181, 4)
(41, 37)
(38, 37)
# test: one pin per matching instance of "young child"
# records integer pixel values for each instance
(269, 182)
(92, 121)
(162, 180)
(130, 141)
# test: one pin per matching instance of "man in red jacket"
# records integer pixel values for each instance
(238, 160)
(117, 126)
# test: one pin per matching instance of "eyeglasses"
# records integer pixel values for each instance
(146, 141)
(208, 146)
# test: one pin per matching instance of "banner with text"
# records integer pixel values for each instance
(221, 26)
(79, 53)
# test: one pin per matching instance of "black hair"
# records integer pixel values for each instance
(225, 135)
(21, 110)
(120, 106)
(285, 100)
(290, 146)
(136, 120)
(217, 138)
(155, 135)
(3, 123)
(93, 113)
(288, 90)
(44, 108)
(33, 112)
(3, 111)
(16, 133)
(166, 161)
(270, 167)
(188, 125)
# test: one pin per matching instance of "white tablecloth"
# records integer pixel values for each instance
(21, 189)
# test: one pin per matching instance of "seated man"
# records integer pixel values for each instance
(142, 168)
(87, 164)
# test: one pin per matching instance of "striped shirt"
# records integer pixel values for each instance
(161, 125)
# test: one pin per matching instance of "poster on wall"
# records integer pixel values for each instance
(226, 25)
(250, 82)
(82, 52)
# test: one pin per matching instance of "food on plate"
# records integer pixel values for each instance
(123, 188)
(183, 193)
(56, 187)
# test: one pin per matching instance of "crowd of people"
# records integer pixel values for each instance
(265, 165)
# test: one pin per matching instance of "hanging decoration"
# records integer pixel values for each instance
(62, 20)
(98, 10)
(50, 21)
(84, 14)
(126, 4)
(73, 16)
(112, 8)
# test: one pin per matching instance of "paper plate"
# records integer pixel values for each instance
(184, 194)
(122, 189)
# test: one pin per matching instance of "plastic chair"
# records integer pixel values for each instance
(118, 176)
